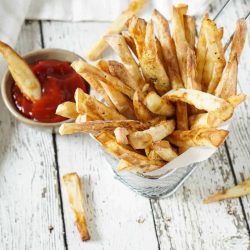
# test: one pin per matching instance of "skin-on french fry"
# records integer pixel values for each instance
(119, 45)
(117, 25)
(130, 41)
(74, 187)
(228, 83)
(235, 192)
(158, 105)
(151, 63)
(141, 111)
(24, 78)
(215, 57)
(203, 101)
(87, 118)
(99, 126)
(164, 150)
(198, 137)
(83, 68)
(121, 135)
(142, 139)
(190, 32)
(120, 151)
(67, 109)
(181, 115)
(151, 154)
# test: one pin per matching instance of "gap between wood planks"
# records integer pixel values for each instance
(53, 134)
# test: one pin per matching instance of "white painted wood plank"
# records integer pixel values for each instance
(117, 218)
(29, 201)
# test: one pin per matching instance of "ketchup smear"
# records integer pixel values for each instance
(58, 82)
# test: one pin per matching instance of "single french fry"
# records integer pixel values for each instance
(190, 32)
(67, 109)
(119, 45)
(152, 155)
(80, 98)
(198, 137)
(130, 41)
(87, 117)
(75, 195)
(103, 65)
(141, 111)
(115, 27)
(228, 82)
(234, 192)
(121, 135)
(158, 105)
(123, 165)
(164, 150)
(168, 49)
(236, 99)
(142, 139)
(203, 101)
(181, 115)
(99, 126)
(22, 74)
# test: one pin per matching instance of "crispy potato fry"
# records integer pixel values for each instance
(236, 99)
(158, 105)
(164, 150)
(103, 65)
(142, 139)
(74, 188)
(117, 25)
(152, 155)
(215, 61)
(83, 68)
(123, 165)
(120, 151)
(22, 74)
(130, 41)
(181, 115)
(220, 33)
(121, 135)
(151, 63)
(190, 32)
(203, 101)
(141, 111)
(100, 126)
(168, 49)
(235, 192)
(67, 109)
(87, 118)
(80, 98)
(119, 45)
(198, 137)
(228, 82)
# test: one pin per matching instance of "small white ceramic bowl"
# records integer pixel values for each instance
(32, 57)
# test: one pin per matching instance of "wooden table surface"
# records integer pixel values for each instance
(34, 211)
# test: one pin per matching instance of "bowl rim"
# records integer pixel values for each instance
(11, 106)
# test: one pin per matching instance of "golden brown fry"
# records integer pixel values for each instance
(203, 101)
(168, 49)
(123, 165)
(141, 111)
(201, 51)
(119, 45)
(87, 117)
(198, 137)
(130, 41)
(164, 150)
(228, 82)
(234, 192)
(99, 126)
(236, 99)
(158, 105)
(67, 109)
(80, 98)
(190, 32)
(103, 65)
(181, 115)
(22, 74)
(117, 25)
(74, 188)
(121, 135)
(152, 155)
(220, 32)
(142, 139)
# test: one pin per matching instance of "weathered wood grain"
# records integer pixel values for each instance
(29, 201)
(117, 218)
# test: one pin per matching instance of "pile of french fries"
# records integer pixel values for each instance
(168, 93)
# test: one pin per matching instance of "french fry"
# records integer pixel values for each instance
(99, 126)
(22, 74)
(130, 41)
(142, 139)
(123, 165)
(80, 98)
(198, 137)
(67, 109)
(168, 49)
(121, 135)
(228, 82)
(235, 192)
(103, 65)
(117, 25)
(75, 195)
(151, 154)
(181, 115)
(203, 101)
(190, 32)
(164, 150)
(151, 63)
(87, 118)
(119, 45)
(83, 68)
(236, 99)
(158, 105)
(141, 111)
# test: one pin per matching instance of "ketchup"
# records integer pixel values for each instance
(58, 83)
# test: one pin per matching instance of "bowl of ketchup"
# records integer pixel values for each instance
(58, 84)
